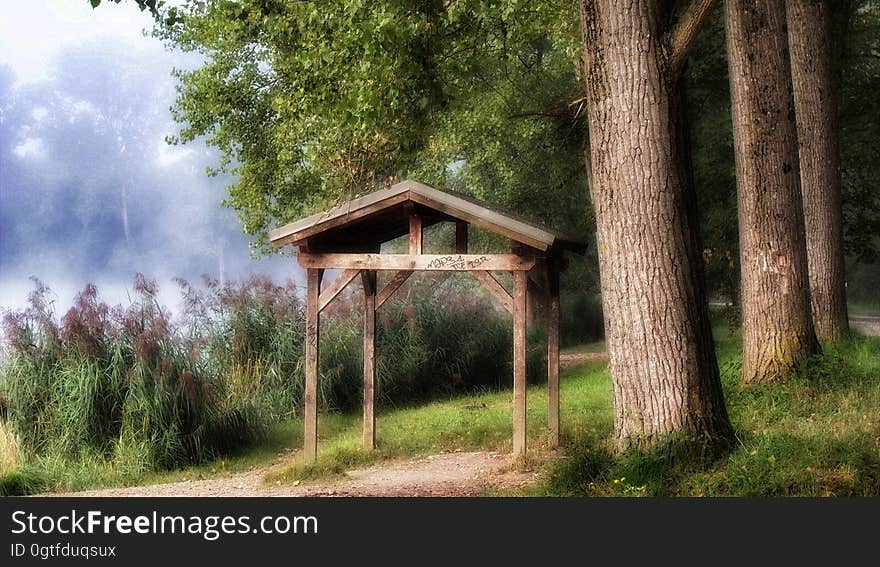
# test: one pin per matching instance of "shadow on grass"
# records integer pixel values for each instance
(22, 481)
(592, 469)
(817, 434)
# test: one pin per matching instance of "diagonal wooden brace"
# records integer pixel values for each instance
(337, 286)
(390, 287)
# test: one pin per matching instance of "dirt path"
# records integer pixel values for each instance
(867, 324)
(447, 474)
(578, 358)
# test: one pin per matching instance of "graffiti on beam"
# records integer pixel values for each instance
(456, 263)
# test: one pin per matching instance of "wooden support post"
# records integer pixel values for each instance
(552, 318)
(415, 232)
(313, 332)
(530, 303)
(369, 280)
(519, 364)
(461, 237)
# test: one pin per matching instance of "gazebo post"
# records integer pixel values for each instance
(369, 281)
(313, 331)
(349, 237)
(552, 319)
(519, 362)
(415, 231)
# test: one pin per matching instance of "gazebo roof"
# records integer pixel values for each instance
(383, 215)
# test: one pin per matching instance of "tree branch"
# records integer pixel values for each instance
(684, 31)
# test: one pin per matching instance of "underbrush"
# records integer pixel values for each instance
(114, 387)
(92, 408)
(107, 395)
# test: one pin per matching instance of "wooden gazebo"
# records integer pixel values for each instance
(349, 236)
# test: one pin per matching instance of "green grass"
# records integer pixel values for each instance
(816, 435)
(63, 475)
(477, 422)
(864, 308)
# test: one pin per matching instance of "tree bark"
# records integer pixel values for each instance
(777, 325)
(658, 336)
(809, 37)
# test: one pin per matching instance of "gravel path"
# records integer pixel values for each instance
(867, 324)
(578, 358)
(446, 474)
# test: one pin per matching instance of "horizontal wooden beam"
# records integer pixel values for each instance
(494, 287)
(334, 288)
(391, 287)
(428, 262)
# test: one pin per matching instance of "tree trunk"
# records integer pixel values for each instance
(815, 106)
(777, 326)
(657, 328)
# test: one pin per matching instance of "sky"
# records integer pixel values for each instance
(89, 190)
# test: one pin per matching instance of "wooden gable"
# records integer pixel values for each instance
(366, 222)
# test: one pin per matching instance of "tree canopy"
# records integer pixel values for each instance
(310, 104)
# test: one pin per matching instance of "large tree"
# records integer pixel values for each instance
(660, 344)
(777, 325)
(809, 33)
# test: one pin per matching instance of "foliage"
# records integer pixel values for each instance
(434, 337)
(22, 481)
(859, 65)
(707, 99)
(140, 392)
(154, 6)
(116, 384)
(311, 105)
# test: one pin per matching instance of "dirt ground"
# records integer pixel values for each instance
(446, 474)
(867, 324)
(578, 358)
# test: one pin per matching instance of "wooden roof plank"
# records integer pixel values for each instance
(345, 213)
(486, 218)
(447, 204)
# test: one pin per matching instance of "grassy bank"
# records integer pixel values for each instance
(817, 435)
(105, 394)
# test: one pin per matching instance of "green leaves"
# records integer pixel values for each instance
(152, 5)
(311, 103)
